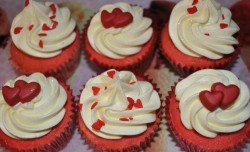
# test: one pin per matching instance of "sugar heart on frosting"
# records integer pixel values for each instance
(11, 95)
(211, 100)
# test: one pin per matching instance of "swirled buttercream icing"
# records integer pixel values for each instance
(119, 42)
(116, 104)
(37, 117)
(194, 115)
(202, 28)
(43, 30)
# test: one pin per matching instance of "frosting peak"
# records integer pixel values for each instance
(202, 29)
(116, 104)
(43, 30)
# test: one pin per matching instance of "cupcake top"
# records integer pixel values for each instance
(212, 102)
(43, 30)
(116, 104)
(202, 28)
(31, 106)
(119, 30)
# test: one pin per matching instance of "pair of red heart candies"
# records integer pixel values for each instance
(220, 96)
(21, 92)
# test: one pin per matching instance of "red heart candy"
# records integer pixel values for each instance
(111, 74)
(17, 30)
(211, 100)
(138, 104)
(192, 10)
(95, 90)
(10, 95)
(121, 18)
(107, 18)
(28, 90)
(131, 103)
(230, 92)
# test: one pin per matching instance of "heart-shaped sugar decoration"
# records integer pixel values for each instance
(138, 104)
(10, 95)
(192, 10)
(28, 91)
(230, 93)
(130, 103)
(211, 100)
(111, 74)
(95, 90)
(121, 18)
(17, 30)
(107, 18)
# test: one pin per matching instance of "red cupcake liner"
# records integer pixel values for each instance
(60, 67)
(127, 143)
(137, 63)
(192, 141)
(55, 140)
(185, 64)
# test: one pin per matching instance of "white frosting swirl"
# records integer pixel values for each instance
(112, 104)
(37, 14)
(37, 117)
(200, 34)
(121, 42)
(195, 116)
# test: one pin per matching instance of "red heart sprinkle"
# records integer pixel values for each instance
(223, 25)
(131, 103)
(95, 90)
(195, 2)
(41, 44)
(138, 104)
(17, 30)
(107, 18)
(223, 17)
(31, 27)
(27, 2)
(53, 8)
(230, 92)
(93, 105)
(45, 27)
(10, 95)
(211, 100)
(124, 119)
(98, 124)
(192, 10)
(111, 74)
(28, 91)
(52, 17)
(42, 34)
(207, 34)
(121, 18)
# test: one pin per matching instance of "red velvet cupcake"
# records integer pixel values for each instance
(36, 114)
(47, 42)
(209, 111)
(120, 37)
(118, 112)
(199, 35)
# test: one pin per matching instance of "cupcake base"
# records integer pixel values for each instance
(185, 64)
(55, 140)
(190, 140)
(61, 66)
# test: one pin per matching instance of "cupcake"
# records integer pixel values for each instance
(45, 39)
(118, 111)
(36, 114)
(199, 35)
(209, 111)
(120, 37)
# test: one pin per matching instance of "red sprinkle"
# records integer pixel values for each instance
(131, 103)
(95, 90)
(195, 2)
(42, 34)
(80, 106)
(41, 44)
(124, 119)
(98, 124)
(93, 105)
(52, 17)
(131, 118)
(17, 30)
(31, 27)
(223, 25)
(111, 74)
(53, 8)
(45, 27)
(138, 104)
(192, 10)
(27, 2)
(207, 34)
(223, 17)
